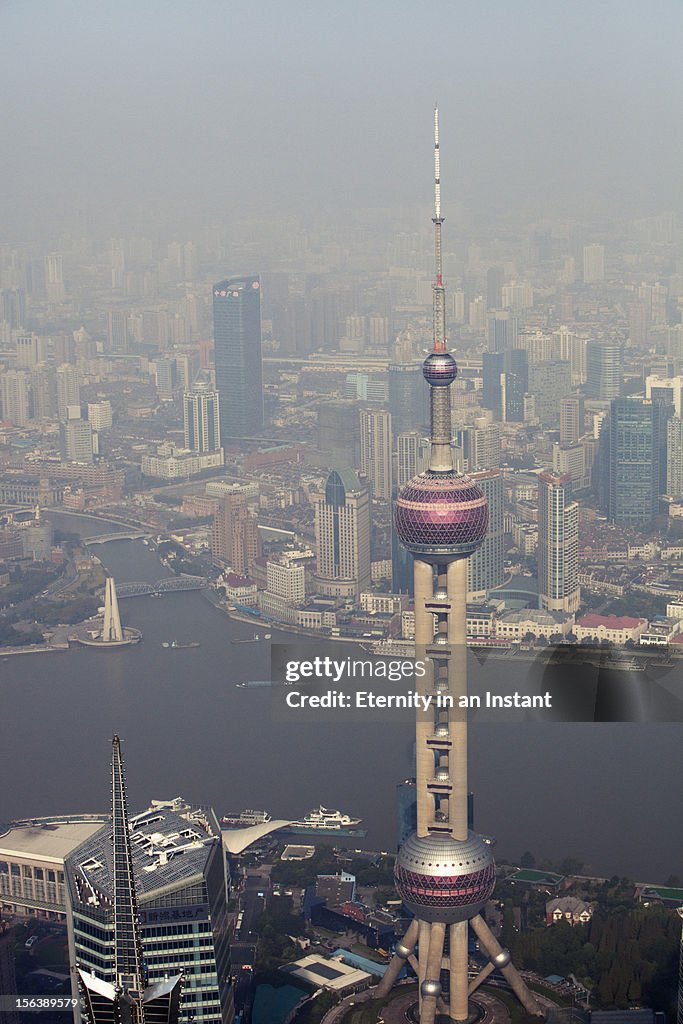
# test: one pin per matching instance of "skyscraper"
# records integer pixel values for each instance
(77, 440)
(124, 993)
(633, 457)
(604, 370)
(342, 531)
(485, 567)
(14, 397)
(674, 457)
(549, 383)
(502, 326)
(558, 544)
(202, 418)
(505, 383)
(444, 872)
(235, 541)
(68, 390)
(376, 450)
(571, 419)
(593, 263)
(237, 356)
(407, 396)
(412, 453)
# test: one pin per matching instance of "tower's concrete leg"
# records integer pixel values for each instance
(501, 959)
(430, 988)
(458, 970)
(405, 947)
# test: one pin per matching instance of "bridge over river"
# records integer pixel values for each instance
(169, 585)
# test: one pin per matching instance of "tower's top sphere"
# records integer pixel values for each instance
(441, 515)
(444, 879)
(439, 369)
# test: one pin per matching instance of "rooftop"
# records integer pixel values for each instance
(167, 848)
(592, 621)
(48, 839)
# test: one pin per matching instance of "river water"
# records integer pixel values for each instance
(608, 794)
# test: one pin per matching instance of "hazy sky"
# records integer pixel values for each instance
(288, 101)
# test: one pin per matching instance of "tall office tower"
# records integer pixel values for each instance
(77, 440)
(14, 397)
(558, 544)
(485, 567)
(674, 342)
(665, 389)
(516, 384)
(366, 387)
(604, 370)
(593, 263)
(30, 350)
(575, 460)
(674, 457)
(342, 533)
(493, 369)
(118, 335)
(376, 450)
(571, 419)
(54, 278)
(478, 446)
(407, 396)
(148, 899)
(166, 379)
(237, 356)
(444, 872)
(13, 307)
(502, 330)
(505, 383)
(235, 539)
(633, 457)
(68, 390)
(125, 995)
(99, 415)
(495, 279)
(43, 392)
(549, 383)
(339, 433)
(202, 418)
(412, 456)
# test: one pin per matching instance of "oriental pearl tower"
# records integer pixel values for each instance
(444, 872)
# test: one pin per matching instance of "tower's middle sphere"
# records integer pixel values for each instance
(440, 878)
(441, 515)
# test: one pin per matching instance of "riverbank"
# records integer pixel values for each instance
(9, 652)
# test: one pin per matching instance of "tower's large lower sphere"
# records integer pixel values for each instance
(441, 514)
(440, 878)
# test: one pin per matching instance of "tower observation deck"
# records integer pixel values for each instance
(444, 872)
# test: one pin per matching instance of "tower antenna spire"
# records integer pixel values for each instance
(439, 291)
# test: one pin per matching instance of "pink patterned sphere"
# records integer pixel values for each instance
(441, 515)
(440, 878)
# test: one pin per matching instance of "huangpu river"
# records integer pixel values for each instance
(609, 794)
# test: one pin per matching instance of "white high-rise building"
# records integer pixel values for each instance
(68, 389)
(286, 581)
(201, 413)
(14, 397)
(674, 457)
(99, 415)
(342, 532)
(412, 456)
(558, 544)
(375, 450)
(593, 263)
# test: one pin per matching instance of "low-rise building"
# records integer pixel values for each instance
(568, 908)
(241, 589)
(660, 632)
(538, 622)
(615, 628)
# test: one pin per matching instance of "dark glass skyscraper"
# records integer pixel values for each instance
(237, 354)
(633, 457)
